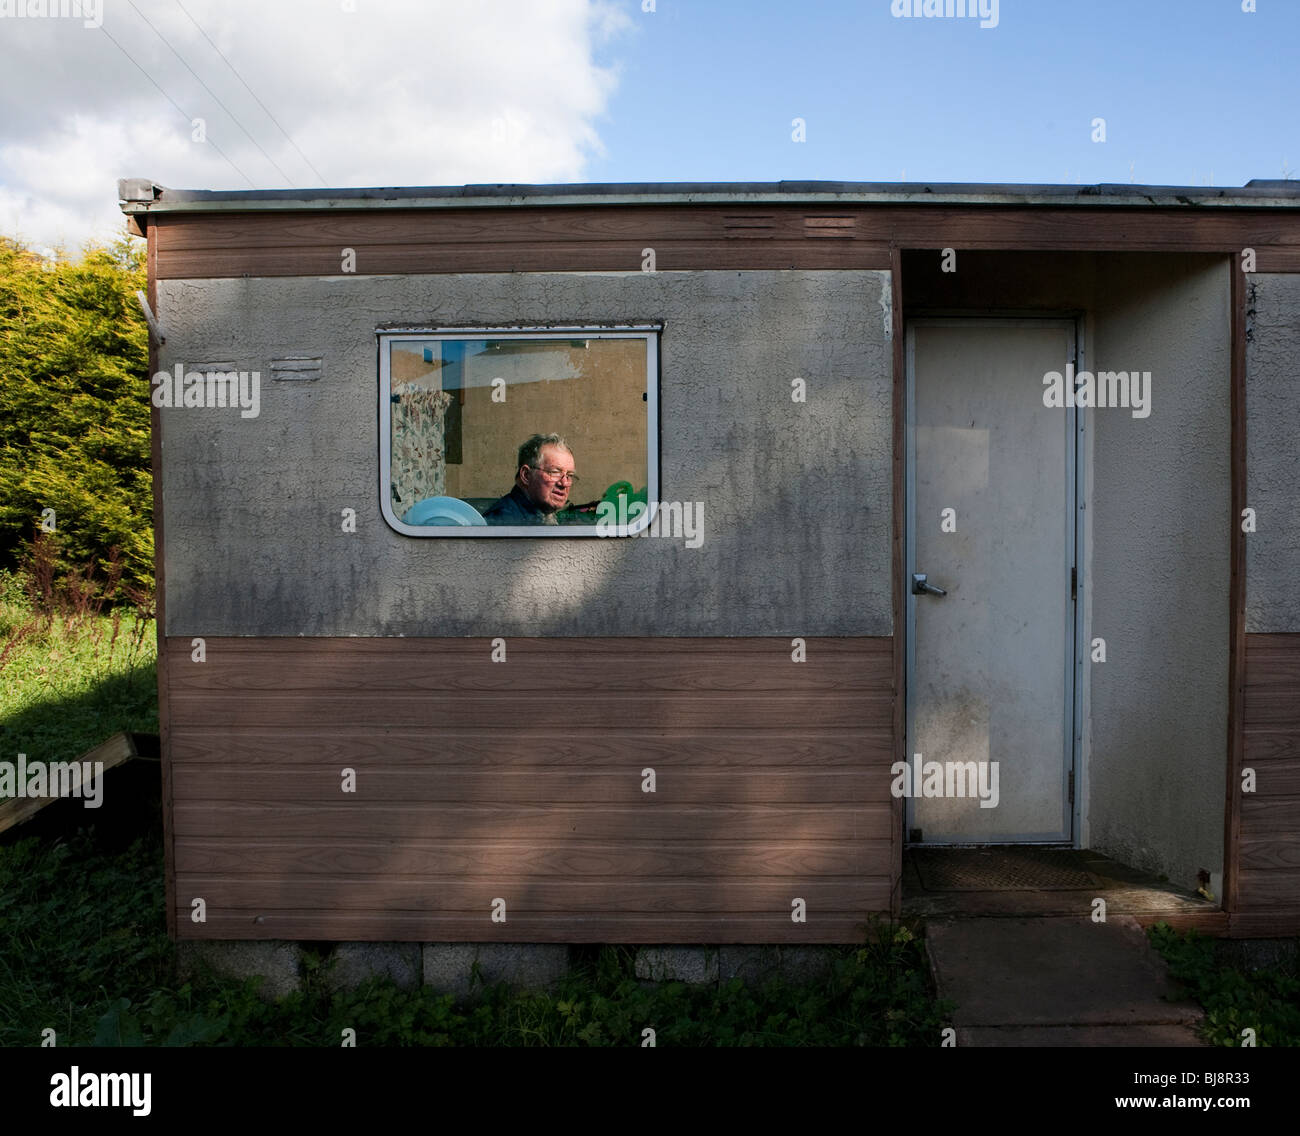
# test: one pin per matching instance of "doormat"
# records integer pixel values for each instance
(1000, 869)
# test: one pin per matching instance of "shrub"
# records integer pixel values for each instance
(74, 408)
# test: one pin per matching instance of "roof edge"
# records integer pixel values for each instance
(139, 196)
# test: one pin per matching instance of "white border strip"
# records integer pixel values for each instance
(387, 337)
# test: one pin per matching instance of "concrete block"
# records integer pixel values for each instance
(354, 963)
(695, 965)
(278, 963)
(755, 965)
(446, 967)
(528, 966)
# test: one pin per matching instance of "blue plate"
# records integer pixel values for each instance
(443, 511)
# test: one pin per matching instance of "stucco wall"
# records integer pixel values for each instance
(1160, 521)
(797, 497)
(1273, 454)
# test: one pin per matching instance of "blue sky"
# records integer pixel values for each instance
(1185, 87)
(312, 93)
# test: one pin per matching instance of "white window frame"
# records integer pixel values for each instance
(649, 332)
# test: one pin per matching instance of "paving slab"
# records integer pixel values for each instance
(1053, 972)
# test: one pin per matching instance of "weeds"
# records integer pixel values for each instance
(1265, 1000)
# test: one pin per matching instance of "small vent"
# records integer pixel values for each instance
(841, 228)
(749, 227)
(297, 368)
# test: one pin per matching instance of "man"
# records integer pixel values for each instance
(543, 476)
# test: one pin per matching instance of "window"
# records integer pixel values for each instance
(457, 407)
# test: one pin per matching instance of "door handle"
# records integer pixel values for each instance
(921, 586)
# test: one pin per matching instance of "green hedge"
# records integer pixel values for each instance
(74, 407)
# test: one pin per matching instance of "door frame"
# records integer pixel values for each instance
(1077, 477)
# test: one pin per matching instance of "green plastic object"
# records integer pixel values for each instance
(621, 496)
(617, 490)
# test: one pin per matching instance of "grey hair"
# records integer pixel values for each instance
(530, 452)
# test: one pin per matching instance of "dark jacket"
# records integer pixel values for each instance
(516, 509)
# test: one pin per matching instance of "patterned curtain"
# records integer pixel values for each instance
(419, 454)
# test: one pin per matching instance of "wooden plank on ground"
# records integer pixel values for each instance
(113, 752)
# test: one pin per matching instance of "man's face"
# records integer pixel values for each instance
(548, 491)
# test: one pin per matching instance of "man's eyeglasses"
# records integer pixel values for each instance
(560, 475)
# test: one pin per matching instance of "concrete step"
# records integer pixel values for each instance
(1057, 981)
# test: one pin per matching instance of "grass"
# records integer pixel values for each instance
(72, 675)
(1266, 1000)
(83, 951)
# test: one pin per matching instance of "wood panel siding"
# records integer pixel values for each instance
(1268, 882)
(522, 781)
(897, 536)
(610, 238)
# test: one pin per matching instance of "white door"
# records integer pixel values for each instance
(992, 510)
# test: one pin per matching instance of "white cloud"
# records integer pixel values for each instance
(399, 92)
